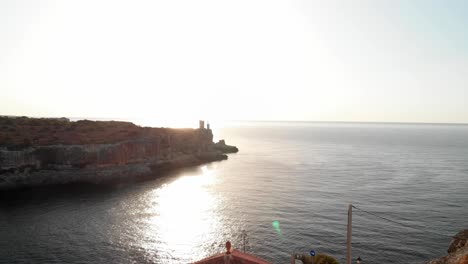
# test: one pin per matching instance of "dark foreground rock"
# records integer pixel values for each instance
(109, 152)
(458, 250)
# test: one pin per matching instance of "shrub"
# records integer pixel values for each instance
(319, 259)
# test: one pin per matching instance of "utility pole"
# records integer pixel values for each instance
(244, 235)
(350, 230)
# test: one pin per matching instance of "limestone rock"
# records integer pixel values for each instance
(96, 152)
(460, 240)
(458, 257)
(458, 250)
(221, 146)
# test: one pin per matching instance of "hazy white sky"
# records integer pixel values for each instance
(402, 61)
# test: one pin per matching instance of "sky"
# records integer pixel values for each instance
(379, 61)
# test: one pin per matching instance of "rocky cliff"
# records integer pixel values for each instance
(45, 151)
(458, 250)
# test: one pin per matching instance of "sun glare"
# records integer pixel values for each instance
(186, 222)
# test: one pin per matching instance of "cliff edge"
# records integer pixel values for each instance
(46, 151)
(458, 250)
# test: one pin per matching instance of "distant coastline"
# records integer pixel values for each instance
(133, 119)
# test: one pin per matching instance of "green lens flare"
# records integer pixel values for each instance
(276, 226)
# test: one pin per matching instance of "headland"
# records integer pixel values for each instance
(45, 151)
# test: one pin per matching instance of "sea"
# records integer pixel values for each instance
(288, 190)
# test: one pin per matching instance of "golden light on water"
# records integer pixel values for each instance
(184, 222)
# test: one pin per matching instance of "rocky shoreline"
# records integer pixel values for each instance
(457, 251)
(111, 151)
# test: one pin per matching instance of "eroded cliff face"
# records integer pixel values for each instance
(95, 163)
(458, 250)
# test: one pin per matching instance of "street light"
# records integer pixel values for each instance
(358, 260)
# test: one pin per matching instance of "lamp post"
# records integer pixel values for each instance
(358, 260)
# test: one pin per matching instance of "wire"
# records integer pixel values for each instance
(396, 222)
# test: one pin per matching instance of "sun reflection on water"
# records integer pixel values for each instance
(184, 219)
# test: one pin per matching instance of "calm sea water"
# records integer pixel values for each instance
(302, 175)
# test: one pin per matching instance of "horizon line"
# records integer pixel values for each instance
(362, 122)
(259, 120)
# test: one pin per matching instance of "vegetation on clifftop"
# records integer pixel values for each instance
(22, 132)
(319, 259)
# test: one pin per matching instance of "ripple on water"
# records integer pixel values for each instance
(302, 176)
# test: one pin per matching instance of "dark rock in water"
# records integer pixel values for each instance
(458, 250)
(221, 146)
(97, 152)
